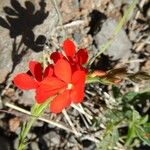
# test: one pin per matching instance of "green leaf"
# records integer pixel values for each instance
(143, 134)
(135, 97)
(131, 135)
(136, 117)
(128, 97)
(110, 139)
(116, 92)
(144, 119)
(115, 136)
(104, 143)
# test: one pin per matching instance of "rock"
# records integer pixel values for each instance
(69, 9)
(4, 143)
(23, 35)
(34, 146)
(28, 98)
(133, 35)
(52, 138)
(117, 3)
(120, 48)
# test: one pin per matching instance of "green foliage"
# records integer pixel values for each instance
(109, 139)
(124, 117)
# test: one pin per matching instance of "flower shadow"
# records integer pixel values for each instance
(20, 21)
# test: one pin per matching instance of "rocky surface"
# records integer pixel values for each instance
(24, 28)
(29, 27)
(121, 46)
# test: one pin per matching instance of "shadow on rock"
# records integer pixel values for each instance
(20, 21)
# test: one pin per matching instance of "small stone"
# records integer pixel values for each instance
(14, 124)
(34, 146)
(120, 48)
(28, 98)
(133, 35)
(52, 137)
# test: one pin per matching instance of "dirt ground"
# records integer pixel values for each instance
(27, 28)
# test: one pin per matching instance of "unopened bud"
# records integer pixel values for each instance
(98, 73)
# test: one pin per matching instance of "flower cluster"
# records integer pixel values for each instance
(64, 79)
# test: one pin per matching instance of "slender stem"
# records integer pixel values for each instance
(22, 143)
(36, 111)
(40, 118)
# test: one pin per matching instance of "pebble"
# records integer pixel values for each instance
(121, 46)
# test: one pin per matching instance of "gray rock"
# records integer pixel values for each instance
(120, 48)
(34, 146)
(52, 138)
(133, 35)
(28, 98)
(41, 18)
(118, 3)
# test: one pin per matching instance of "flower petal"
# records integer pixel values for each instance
(69, 48)
(36, 70)
(55, 56)
(43, 94)
(82, 56)
(60, 102)
(25, 82)
(78, 80)
(78, 77)
(62, 70)
(49, 87)
(52, 83)
(48, 71)
(77, 93)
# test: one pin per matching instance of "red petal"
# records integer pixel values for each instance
(48, 71)
(69, 48)
(78, 77)
(55, 56)
(78, 80)
(25, 82)
(42, 95)
(60, 102)
(82, 56)
(48, 87)
(62, 70)
(36, 70)
(52, 83)
(77, 93)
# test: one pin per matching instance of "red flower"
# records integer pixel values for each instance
(73, 57)
(65, 79)
(68, 85)
(25, 81)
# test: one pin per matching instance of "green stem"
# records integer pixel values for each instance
(36, 112)
(22, 142)
(102, 80)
